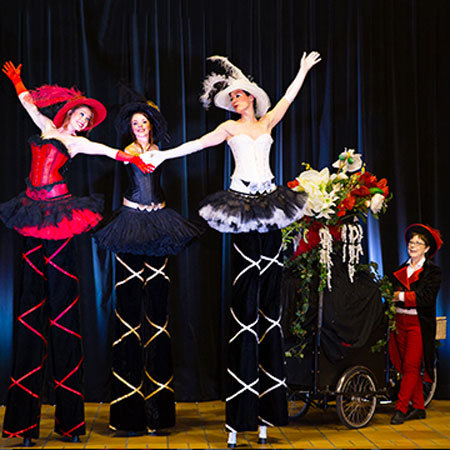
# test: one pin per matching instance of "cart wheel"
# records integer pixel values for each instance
(429, 389)
(355, 401)
(298, 403)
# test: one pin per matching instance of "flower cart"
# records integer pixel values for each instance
(336, 319)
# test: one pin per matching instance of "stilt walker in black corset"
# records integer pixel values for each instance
(143, 233)
(254, 209)
(49, 217)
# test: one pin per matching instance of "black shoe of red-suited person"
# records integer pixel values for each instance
(416, 414)
(398, 418)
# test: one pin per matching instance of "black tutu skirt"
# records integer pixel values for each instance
(155, 233)
(59, 218)
(233, 212)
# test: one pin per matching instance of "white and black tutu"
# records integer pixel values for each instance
(156, 233)
(233, 212)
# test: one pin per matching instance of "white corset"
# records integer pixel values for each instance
(252, 172)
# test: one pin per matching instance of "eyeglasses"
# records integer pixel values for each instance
(415, 243)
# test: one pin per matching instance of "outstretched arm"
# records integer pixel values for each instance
(13, 73)
(278, 112)
(211, 139)
(79, 144)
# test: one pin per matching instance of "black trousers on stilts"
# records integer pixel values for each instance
(142, 388)
(47, 316)
(256, 383)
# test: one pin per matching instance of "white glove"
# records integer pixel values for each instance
(306, 63)
(156, 157)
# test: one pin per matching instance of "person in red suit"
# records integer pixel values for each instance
(412, 344)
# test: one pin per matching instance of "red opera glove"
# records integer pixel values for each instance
(13, 73)
(146, 168)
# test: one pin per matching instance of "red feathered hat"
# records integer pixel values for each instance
(433, 236)
(56, 101)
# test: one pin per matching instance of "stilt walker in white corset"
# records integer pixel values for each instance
(254, 209)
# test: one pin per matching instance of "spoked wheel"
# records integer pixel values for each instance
(429, 389)
(355, 400)
(298, 403)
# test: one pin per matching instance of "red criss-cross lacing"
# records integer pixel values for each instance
(54, 322)
(69, 433)
(61, 383)
(26, 313)
(21, 319)
(31, 372)
(18, 433)
(25, 257)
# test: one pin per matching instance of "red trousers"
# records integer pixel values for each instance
(408, 340)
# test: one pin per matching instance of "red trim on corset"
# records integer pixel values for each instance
(58, 190)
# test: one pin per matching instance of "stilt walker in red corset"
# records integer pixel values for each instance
(412, 344)
(49, 217)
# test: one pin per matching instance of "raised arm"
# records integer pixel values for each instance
(13, 73)
(278, 112)
(211, 139)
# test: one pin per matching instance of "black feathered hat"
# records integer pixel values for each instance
(137, 103)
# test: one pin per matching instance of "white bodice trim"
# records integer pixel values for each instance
(252, 172)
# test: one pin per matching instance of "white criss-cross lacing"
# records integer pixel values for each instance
(252, 263)
(272, 260)
(246, 387)
(278, 381)
(273, 324)
(244, 327)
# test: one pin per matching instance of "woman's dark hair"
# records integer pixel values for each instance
(254, 100)
(145, 114)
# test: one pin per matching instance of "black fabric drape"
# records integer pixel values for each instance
(382, 88)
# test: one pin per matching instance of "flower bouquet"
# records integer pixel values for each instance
(336, 203)
(331, 228)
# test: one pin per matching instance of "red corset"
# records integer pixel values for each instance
(46, 161)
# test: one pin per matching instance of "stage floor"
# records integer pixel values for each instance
(200, 425)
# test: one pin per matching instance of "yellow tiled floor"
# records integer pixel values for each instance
(200, 425)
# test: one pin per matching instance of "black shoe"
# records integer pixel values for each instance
(398, 418)
(231, 445)
(262, 441)
(416, 414)
(27, 442)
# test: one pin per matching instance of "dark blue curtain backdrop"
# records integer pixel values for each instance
(382, 88)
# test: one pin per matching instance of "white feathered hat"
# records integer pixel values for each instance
(220, 87)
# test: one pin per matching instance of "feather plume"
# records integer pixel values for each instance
(47, 95)
(211, 85)
(230, 68)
